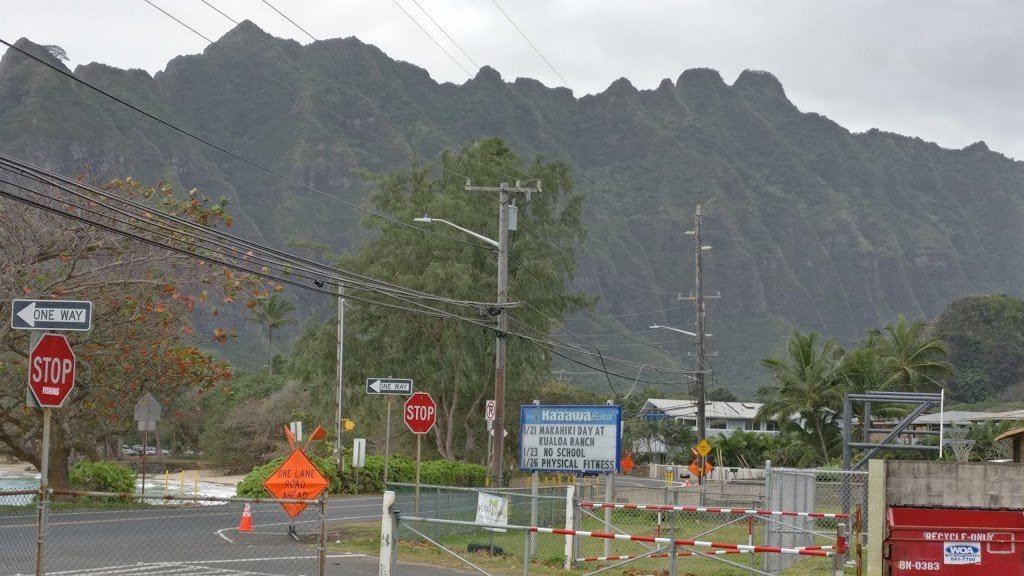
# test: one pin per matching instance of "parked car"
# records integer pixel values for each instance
(128, 451)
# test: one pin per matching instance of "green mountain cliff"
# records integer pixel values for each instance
(811, 225)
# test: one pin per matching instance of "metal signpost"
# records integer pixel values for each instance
(572, 439)
(420, 415)
(51, 373)
(389, 387)
(147, 414)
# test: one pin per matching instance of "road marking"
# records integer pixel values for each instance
(190, 568)
(222, 530)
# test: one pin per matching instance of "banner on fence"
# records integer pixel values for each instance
(570, 439)
(493, 510)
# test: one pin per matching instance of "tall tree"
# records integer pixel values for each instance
(142, 340)
(912, 359)
(453, 359)
(272, 311)
(806, 385)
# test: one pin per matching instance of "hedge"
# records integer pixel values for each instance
(102, 477)
(371, 477)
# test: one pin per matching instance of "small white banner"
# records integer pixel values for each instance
(491, 509)
(961, 553)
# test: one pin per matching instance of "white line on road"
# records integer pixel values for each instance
(157, 568)
(222, 530)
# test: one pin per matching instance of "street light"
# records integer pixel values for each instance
(498, 441)
(481, 237)
(677, 330)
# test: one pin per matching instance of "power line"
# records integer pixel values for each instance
(232, 154)
(452, 40)
(535, 49)
(547, 345)
(434, 40)
(213, 235)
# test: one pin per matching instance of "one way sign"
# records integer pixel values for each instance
(396, 386)
(73, 315)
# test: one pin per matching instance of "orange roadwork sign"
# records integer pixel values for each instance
(626, 464)
(297, 479)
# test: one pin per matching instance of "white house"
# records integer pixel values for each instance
(720, 417)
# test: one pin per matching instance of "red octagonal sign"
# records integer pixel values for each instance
(420, 413)
(51, 370)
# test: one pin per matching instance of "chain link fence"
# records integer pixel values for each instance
(93, 533)
(811, 490)
(522, 507)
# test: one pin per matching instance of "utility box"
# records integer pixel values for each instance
(954, 542)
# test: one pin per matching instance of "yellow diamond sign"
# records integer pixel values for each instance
(704, 448)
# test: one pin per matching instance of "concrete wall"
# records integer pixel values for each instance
(954, 484)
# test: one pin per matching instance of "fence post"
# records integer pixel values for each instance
(526, 553)
(609, 491)
(534, 496)
(672, 558)
(388, 535)
(323, 535)
(570, 520)
(838, 559)
(858, 528)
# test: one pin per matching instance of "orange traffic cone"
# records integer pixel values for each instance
(246, 525)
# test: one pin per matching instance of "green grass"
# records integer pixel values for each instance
(547, 560)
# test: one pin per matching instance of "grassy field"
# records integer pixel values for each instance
(547, 559)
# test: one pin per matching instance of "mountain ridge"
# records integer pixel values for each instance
(812, 225)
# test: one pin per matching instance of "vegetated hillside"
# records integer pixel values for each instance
(810, 225)
(986, 339)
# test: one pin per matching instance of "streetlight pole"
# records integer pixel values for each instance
(504, 225)
(339, 458)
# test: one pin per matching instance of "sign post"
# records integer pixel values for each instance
(51, 377)
(147, 414)
(420, 415)
(389, 387)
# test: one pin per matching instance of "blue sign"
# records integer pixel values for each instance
(570, 439)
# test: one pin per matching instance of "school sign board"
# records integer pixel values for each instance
(570, 439)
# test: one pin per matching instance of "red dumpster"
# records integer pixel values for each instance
(955, 542)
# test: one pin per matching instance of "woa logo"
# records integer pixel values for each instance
(961, 553)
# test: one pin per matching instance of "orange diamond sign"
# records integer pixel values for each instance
(296, 479)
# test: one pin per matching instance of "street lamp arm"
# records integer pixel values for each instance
(456, 226)
(674, 330)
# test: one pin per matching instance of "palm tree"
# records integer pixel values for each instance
(807, 384)
(272, 312)
(911, 359)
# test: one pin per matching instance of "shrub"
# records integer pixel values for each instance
(102, 477)
(252, 485)
(370, 479)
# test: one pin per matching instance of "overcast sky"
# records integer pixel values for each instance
(948, 71)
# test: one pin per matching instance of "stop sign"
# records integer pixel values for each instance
(420, 413)
(51, 370)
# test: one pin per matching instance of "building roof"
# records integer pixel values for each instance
(952, 417)
(688, 409)
(1009, 434)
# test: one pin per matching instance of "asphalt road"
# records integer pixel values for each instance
(201, 540)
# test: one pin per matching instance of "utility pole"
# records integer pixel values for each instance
(698, 297)
(701, 424)
(339, 458)
(505, 223)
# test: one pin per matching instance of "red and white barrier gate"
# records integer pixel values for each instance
(659, 508)
(802, 551)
